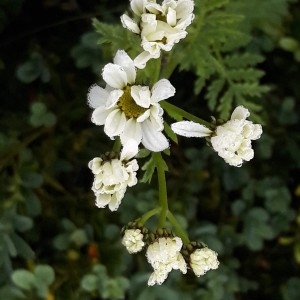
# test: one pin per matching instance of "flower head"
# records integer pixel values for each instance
(133, 240)
(203, 260)
(232, 140)
(159, 25)
(113, 176)
(164, 256)
(128, 110)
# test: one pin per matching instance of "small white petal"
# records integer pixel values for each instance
(113, 98)
(162, 90)
(240, 113)
(190, 129)
(132, 130)
(129, 150)
(138, 6)
(141, 95)
(153, 140)
(141, 60)
(115, 123)
(115, 76)
(144, 116)
(122, 59)
(100, 114)
(97, 96)
(171, 17)
(129, 24)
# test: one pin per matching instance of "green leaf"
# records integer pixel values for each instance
(170, 133)
(79, 237)
(31, 179)
(23, 279)
(89, 283)
(45, 274)
(22, 223)
(149, 168)
(291, 290)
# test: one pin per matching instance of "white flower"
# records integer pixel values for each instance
(160, 26)
(164, 255)
(232, 140)
(133, 240)
(203, 260)
(113, 176)
(127, 110)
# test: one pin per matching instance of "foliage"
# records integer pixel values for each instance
(55, 244)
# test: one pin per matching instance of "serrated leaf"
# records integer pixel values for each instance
(170, 133)
(149, 168)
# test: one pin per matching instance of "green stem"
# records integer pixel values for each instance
(157, 71)
(169, 108)
(117, 145)
(149, 214)
(178, 229)
(162, 189)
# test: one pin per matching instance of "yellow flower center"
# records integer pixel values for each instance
(128, 105)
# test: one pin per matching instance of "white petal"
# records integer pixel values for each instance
(115, 76)
(162, 90)
(102, 200)
(122, 59)
(144, 116)
(141, 60)
(132, 130)
(97, 96)
(240, 113)
(116, 200)
(141, 95)
(129, 24)
(100, 114)
(184, 8)
(190, 129)
(153, 140)
(129, 150)
(115, 123)
(257, 131)
(113, 98)
(138, 6)
(171, 17)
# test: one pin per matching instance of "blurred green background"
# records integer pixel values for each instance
(54, 242)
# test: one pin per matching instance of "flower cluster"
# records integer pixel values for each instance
(159, 26)
(232, 140)
(113, 175)
(164, 256)
(166, 252)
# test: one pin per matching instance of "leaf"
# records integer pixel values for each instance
(45, 274)
(170, 133)
(22, 223)
(22, 247)
(149, 168)
(23, 279)
(89, 283)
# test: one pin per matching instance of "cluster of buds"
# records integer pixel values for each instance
(166, 252)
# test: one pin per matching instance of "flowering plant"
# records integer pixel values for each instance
(134, 115)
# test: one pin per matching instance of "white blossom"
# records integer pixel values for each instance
(160, 26)
(203, 260)
(133, 240)
(232, 140)
(164, 256)
(128, 110)
(112, 177)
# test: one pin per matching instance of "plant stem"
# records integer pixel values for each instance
(173, 108)
(162, 188)
(178, 229)
(149, 214)
(117, 145)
